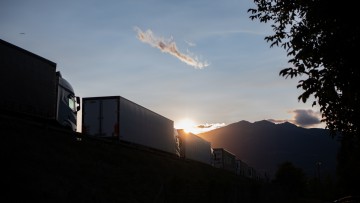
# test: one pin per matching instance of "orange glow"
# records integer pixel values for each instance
(187, 124)
(190, 126)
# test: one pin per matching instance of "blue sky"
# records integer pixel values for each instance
(98, 48)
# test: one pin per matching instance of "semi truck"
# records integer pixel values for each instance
(117, 118)
(31, 87)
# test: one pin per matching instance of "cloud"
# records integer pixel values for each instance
(169, 46)
(303, 118)
(211, 126)
(277, 121)
(201, 128)
(191, 44)
(306, 118)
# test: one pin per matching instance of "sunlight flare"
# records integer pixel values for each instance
(186, 124)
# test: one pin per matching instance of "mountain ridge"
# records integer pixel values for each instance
(264, 145)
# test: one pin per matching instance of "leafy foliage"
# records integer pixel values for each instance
(320, 38)
(291, 179)
(349, 166)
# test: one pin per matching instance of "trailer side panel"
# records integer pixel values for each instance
(122, 119)
(27, 82)
(194, 147)
(142, 126)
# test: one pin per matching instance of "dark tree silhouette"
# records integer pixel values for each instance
(348, 168)
(321, 38)
(292, 180)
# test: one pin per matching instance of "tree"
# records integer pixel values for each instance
(292, 180)
(320, 37)
(348, 167)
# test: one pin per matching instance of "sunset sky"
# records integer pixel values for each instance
(202, 62)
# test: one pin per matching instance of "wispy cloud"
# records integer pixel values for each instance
(201, 128)
(169, 46)
(277, 121)
(191, 44)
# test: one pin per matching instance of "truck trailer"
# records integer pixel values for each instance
(117, 118)
(194, 147)
(224, 159)
(31, 87)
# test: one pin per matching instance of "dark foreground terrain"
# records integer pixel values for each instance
(44, 163)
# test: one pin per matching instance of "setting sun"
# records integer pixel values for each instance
(187, 124)
(191, 126)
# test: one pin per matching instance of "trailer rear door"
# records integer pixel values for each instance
(100, 116)
(91, 117)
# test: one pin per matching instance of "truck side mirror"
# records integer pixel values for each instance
(78, 102)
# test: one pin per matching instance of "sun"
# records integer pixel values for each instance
(187, 124)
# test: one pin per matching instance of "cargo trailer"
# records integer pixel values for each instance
(194, 147)
(117, 118)
(224, 159)
(241, 168)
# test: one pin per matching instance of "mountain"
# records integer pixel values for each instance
(264, 145)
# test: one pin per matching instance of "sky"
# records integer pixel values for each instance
(202, 63)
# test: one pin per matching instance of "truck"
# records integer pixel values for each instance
(194, 147)
(31, 87)
(117, 118)
(224, 159)
(241, 168)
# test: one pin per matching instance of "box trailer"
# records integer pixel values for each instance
(31, 86)
(224, 159)
(194, 147)
(115, 117)
(241, 168)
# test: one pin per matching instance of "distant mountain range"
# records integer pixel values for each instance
(264, 145)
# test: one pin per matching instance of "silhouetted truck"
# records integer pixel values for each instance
(115, 117)
(194, 147)
(31, 87)
(224, 159)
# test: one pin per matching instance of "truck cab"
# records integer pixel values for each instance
(67, 103)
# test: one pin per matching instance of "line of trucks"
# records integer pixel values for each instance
(31, 86)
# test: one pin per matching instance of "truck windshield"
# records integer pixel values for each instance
(72, 103)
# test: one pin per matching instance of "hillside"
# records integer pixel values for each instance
(264, 145)
(44, 163)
